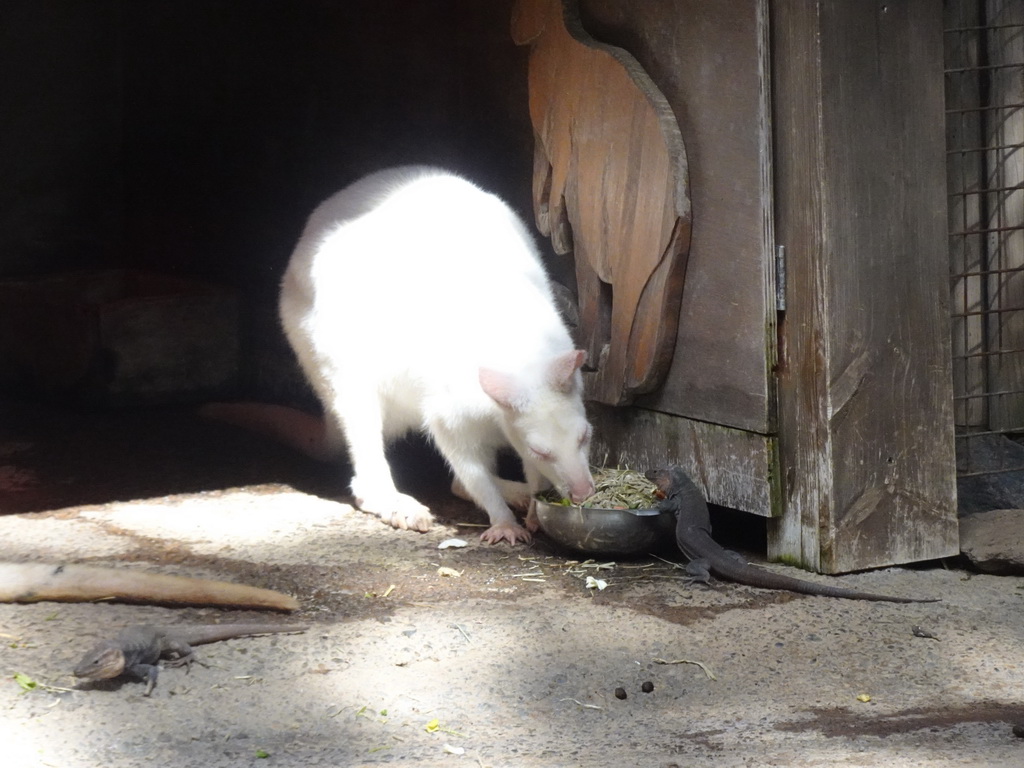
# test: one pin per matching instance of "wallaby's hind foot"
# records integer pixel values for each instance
(397, 510)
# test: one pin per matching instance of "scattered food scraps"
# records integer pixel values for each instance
(579, 703)
(434, 726)
(451, 543)
(26, 682)
(703, 666)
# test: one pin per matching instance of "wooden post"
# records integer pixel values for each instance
(865, 395)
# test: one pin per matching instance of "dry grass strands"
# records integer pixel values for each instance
(615, 489)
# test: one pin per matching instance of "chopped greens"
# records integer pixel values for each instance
(615, 489)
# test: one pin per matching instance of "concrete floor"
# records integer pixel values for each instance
(514, 661)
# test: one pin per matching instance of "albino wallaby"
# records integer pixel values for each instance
(416, 301)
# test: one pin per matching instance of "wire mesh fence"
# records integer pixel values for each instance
(984, 44)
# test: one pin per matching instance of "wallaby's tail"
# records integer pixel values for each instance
(297, 429)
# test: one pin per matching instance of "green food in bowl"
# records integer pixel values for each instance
(614, 489)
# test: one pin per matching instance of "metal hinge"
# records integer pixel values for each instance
(780, 278)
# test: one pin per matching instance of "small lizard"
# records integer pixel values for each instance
(137, 649)
(917, 631)
(693, 535)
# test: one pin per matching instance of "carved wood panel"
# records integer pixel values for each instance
(611, 185)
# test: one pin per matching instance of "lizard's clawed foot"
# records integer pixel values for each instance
(186, 661)
(699, 571)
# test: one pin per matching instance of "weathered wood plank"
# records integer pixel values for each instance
(735, 468)
(866, 425)
(710, 61)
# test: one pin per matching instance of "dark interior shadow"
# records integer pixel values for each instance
(54, 456)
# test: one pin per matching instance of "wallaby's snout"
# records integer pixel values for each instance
(581, 489)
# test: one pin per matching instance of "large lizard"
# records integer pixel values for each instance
(137, 649)
(693, 535)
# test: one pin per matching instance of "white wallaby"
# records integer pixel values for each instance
(416, 301)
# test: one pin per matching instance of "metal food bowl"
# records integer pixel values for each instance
(607, 531)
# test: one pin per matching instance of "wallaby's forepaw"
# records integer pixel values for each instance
(532, 521)
(398, 511)
(513, 533)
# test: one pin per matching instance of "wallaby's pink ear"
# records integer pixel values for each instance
(563, 367)
(502, 388)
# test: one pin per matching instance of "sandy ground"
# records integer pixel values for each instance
(510, 661)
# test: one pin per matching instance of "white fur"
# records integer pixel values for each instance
(417, 301)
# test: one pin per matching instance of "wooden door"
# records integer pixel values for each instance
(865, 381)
(823, 400)
(710, 401)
